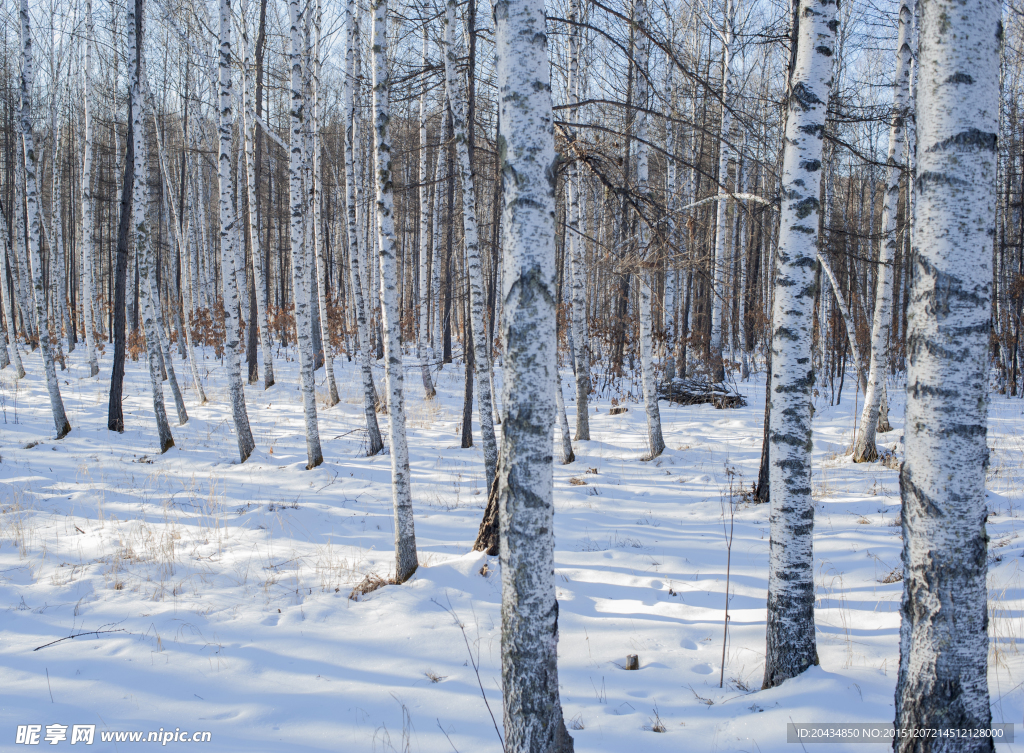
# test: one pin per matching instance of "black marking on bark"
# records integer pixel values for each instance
(959, 78)
(971, 138)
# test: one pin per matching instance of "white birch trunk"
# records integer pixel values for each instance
(320, 277)
(229, 241)
(529, 610)
(88, 202)
(23, 280)
(865, 451)
(8, 302)
(405, 531)
(425, 242)
(724, 154)
(374, 442)
(440, 174)
(140, 224)
(791, 646)
(60, 420)
(655, 440)
(300, 271)
(577, 261)
(470, 237)
(259, 278)
(943, 638)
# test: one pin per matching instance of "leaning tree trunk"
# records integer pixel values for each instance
(529, 610)
(405, 531)
(471, 241)
(374, 442)
(943, 637)
(60, 419)
(865, 451)
(229, 242)
(791, 646)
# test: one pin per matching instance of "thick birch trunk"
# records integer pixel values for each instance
(865, 451)
(374, 442)
(33, 219)
(405, 531)
(943, 637)
(471, 240)
(791, 646)
(229, 241)
(529, 610)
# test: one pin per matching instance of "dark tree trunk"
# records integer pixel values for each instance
(467, 395)
(115, 415)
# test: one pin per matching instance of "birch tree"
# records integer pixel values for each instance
(791, 646)
(229, 240)
(581, 353)
(943, 638)
(425, 241)
(641, 53)
(88, 201)
(724, 153)
(405, 531)
(374, 442)
(34, 222)
(249, 135)
(529, 611)
(8, 300)
(865, 451)
(300, 271)
(471, 241)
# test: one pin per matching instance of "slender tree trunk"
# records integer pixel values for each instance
(115, 414)
(141, 225)
(229, 241)
(529, 610)
(425, 242)
(88, 201)
(33, 219)
(8, 299)
(405, 531)
(724, 153)
(259, 281)
(374, 442)
(300, 271)
(581, 353)
(471, 240)
(791, 646)
(865, 451)
(943, 633)
(655, 440)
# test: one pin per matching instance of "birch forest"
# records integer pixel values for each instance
(430, 375)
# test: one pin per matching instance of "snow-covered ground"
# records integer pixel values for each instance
(221, 591)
